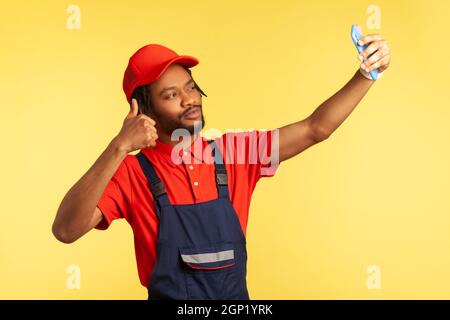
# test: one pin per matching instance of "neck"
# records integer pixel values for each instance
(184, 142)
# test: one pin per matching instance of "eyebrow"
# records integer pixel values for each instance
(173, 87)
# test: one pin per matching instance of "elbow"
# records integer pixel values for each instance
(320, 134)
(62, 235)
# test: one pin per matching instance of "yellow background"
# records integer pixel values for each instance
(374, 193)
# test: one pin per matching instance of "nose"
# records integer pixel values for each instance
(187, 99)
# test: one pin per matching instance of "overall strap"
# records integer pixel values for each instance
(220, 171)
(154, 183)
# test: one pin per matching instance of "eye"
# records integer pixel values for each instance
(171, 95)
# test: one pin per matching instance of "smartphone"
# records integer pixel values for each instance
(356, 35)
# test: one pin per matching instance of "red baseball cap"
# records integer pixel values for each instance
(149, 63)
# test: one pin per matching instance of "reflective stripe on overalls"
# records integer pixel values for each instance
(201, 252)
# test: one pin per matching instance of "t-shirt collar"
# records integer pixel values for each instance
(191, 153)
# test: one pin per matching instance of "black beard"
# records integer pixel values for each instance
(196, 127)
(170, 126)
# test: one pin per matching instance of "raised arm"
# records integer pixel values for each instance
(78, 212)
(298, 136)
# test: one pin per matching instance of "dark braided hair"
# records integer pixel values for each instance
(143, 98)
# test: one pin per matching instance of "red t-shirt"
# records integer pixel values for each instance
(187, 182)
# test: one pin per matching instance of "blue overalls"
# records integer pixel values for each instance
(201, 251)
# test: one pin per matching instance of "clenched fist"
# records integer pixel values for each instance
(138, 131)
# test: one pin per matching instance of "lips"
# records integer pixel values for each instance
(194, 113)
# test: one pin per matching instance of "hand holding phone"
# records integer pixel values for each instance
(356, 35)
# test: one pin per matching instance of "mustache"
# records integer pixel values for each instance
(190, 109)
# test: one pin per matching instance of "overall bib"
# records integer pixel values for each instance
(201, 251)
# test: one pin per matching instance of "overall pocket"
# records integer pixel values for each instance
(210, 271)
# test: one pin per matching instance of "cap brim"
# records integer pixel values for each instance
(186, 61)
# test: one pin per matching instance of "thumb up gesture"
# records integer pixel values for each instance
(138, 131)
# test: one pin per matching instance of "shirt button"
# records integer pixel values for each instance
(195, 183)
(191, 167)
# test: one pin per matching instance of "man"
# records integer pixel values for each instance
(187, 198)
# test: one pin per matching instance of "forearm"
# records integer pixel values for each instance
(331, 113)
(75, 212)
(298, 136)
